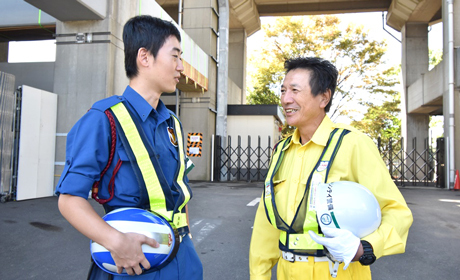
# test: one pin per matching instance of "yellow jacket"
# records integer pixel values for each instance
(357, 160)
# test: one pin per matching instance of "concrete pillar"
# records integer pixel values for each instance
(88, 71)
(237, 63)
(414, 64)
(454, 147)
(4, 52)
(198, 110)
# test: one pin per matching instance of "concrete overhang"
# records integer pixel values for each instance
(315, 7)
(243, 13)
(425, 96)
(402, 11)
(72, 10)
(20, 21)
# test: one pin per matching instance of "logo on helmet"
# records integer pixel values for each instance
(326, 219)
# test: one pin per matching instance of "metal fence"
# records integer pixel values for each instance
(7, 115)
(412, 166)
(241, 162)
(237, 161)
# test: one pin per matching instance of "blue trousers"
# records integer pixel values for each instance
(185, 266)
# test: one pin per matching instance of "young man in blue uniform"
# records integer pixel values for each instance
(153, 65)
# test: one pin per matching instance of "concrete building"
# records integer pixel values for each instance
(89, 58)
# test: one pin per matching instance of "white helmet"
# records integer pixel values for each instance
(142, 222)
(347, 205)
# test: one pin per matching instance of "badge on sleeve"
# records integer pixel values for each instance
(172, 136)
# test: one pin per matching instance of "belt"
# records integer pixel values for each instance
(300, 258)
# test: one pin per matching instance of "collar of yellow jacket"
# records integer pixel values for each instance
(320, 136)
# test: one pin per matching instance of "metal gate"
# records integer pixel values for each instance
(236, 162)
(8, 104)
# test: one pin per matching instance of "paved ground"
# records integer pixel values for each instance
(37, 243)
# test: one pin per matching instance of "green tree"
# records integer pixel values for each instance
(435, 57)
(356, 56)
(382, 119)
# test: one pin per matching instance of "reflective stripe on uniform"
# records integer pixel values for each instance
(154, 189)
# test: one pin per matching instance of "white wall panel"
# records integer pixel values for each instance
(36, 144)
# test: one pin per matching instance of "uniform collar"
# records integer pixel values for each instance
(143, 108)
(320, 137)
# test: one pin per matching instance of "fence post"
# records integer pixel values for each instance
(229, 157)
(249, 158)
(238, 161)
(403, 162)
(390, 157)
(414, 160)
(217, 157)
(427, 170)
(258, 158)
(379, 144)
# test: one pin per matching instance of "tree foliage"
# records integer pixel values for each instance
(357, 58)
(382, 120)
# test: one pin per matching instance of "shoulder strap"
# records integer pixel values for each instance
(113, 134)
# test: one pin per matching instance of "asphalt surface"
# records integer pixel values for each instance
(37, 243)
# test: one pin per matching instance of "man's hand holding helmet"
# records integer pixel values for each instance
(340, 243)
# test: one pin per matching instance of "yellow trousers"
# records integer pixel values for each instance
(312, 270)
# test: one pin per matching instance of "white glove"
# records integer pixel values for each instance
(340, 243)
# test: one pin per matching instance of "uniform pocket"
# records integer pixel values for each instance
(279, 185)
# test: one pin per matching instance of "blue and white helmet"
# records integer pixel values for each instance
(142, 222)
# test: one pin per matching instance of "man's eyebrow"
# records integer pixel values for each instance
(178, 50)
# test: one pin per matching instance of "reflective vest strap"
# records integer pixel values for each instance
(156, 196)
(180, 220)
(269, 196)
(319, 176)
(283, 236)
(180, 175)
(302, 241)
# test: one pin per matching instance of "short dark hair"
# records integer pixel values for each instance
(323, 74)
(145, 32)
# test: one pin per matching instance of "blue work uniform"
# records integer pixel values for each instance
(87, 154)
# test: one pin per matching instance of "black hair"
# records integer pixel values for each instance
(145, 32)
(323, 74)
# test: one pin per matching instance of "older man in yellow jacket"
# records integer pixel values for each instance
(306, 95)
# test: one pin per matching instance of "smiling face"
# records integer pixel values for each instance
(165, 69)
(301, 107)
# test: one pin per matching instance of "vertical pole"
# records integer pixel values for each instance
(212, 157)
(249, 158)
(229, 157)
(390, 158)
(258, 159)
(238, 165)
(403, 162)
(414, 160)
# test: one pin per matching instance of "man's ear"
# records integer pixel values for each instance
(143, 56)
(325, 98)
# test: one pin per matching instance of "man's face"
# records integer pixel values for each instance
(299, 104)
(167, 66)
